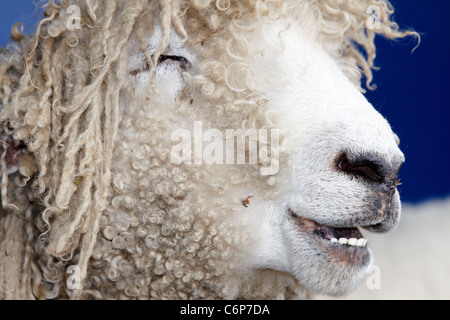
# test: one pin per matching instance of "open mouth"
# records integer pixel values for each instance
(331, 237)
(343, 236)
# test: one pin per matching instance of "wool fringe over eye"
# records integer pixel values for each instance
(62, 98)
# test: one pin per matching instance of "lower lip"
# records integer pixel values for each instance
(350, 255)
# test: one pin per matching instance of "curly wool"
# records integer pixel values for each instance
(158, 238)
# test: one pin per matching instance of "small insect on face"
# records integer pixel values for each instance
(246, 201)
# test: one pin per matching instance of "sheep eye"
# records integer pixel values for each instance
(179, 59)
(182, 61)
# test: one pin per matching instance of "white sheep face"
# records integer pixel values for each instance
(339, 170)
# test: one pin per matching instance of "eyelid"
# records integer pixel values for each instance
(184, 63)
(173, 57)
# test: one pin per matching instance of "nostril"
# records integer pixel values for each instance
(364, 168)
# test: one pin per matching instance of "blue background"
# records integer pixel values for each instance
(413, 90)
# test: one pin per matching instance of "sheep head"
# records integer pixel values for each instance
(143, 177)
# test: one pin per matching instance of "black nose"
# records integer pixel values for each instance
(369, 168)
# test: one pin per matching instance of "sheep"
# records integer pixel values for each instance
(98, 205)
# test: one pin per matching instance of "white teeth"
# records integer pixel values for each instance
(350, 242)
